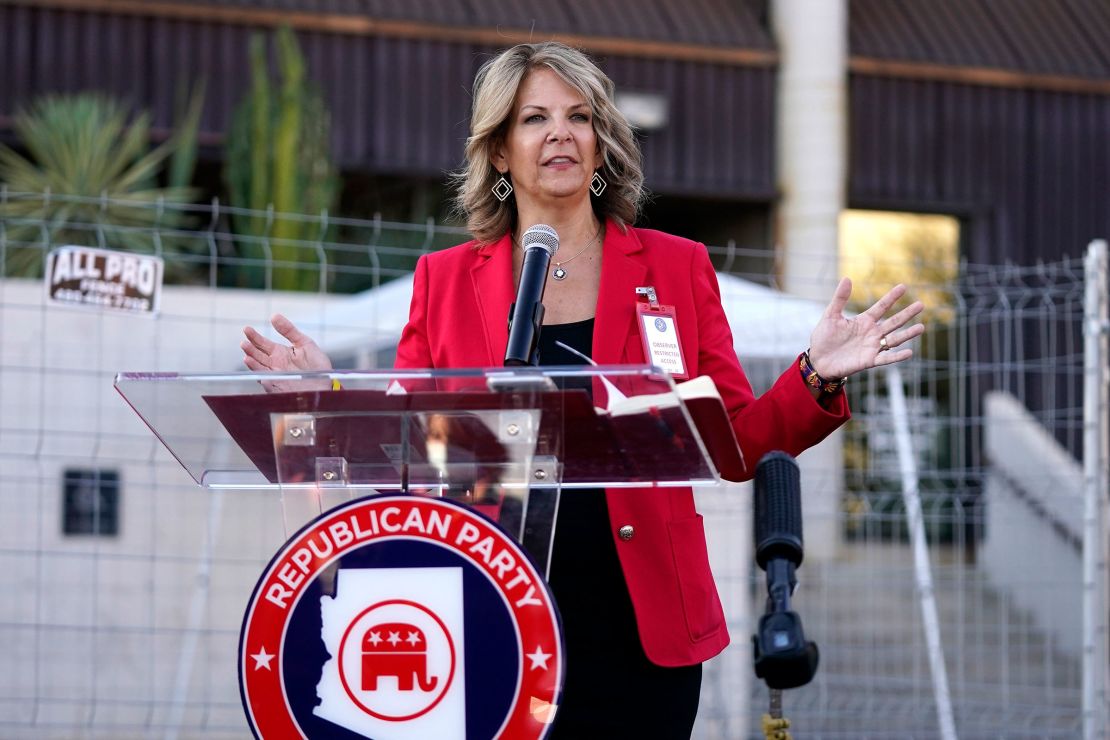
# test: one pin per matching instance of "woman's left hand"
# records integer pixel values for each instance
(301, 354)
(841, 346)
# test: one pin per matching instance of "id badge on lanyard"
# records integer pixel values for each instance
(659, 332)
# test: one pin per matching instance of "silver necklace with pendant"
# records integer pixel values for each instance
(559, 273)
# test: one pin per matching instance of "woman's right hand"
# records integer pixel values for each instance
(301, 354)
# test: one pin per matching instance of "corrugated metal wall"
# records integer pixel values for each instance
(1025, 160)
(1061, 37)
(998, 113)
(720, 138)
(399, 105)
(726, 23)
(1029, 170)
(1027, 167)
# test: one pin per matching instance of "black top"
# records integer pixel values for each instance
(611, 689)
(579, 335)
(583, 549)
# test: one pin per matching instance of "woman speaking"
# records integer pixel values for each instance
(630, 571)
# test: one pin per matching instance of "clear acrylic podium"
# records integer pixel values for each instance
(507, 442)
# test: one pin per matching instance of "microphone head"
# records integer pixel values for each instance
(542, 236)
(777, 509)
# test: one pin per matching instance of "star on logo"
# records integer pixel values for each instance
(538, 658)
(394, 638)
(413, 639)
(262, 659)
(374, 638)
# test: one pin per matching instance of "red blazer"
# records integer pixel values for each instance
(665, 563)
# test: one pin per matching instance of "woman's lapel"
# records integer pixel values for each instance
(492, 278)
(615, 338)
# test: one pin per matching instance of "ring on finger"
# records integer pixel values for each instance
(883, 345)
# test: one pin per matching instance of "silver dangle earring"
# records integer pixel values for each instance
(502, 189)
(598, 185)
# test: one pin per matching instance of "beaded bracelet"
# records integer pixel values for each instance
(814, 380)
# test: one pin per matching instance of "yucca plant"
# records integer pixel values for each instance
(279, 160)
(91, 177)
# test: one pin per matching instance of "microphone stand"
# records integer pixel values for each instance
(775, 726)
(783, 657)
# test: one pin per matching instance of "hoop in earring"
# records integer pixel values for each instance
(598, 185)
(502, 189)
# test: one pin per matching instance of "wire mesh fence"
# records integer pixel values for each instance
(127, 581)
(1005, 569)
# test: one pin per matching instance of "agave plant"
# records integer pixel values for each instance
(91, 179)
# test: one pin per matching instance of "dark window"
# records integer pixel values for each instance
(91, 502)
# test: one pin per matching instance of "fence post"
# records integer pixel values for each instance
(923, 575)
(1096, 659)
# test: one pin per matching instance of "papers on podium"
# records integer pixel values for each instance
(707, 410)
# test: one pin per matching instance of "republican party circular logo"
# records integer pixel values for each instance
(400, 618)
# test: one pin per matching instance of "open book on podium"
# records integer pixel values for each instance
(506, 441)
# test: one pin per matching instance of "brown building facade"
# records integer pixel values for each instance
(998, 113)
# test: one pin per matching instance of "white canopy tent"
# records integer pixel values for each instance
(766, 323)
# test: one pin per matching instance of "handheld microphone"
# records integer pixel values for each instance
(783, 657)
(540, 242)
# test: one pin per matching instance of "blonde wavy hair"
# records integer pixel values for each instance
(495, 90)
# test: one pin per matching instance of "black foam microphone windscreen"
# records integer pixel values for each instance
(778, 510)
(539, 242)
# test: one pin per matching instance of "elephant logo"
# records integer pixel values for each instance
(397, 659)
(396, 649)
